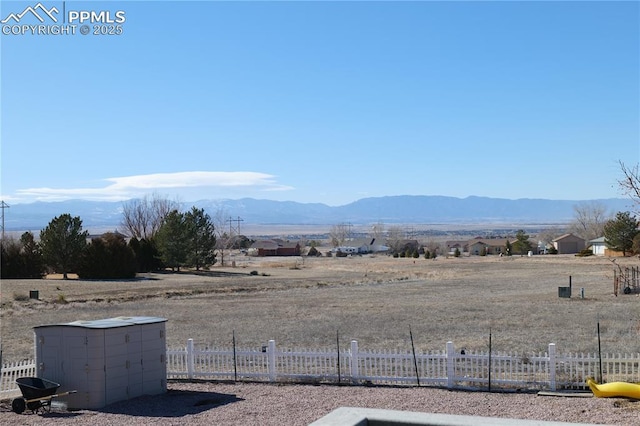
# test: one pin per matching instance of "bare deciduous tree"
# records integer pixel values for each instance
(547, 235)
(589, 220)
(224, 239)
(630, 183)
(395, 238)
(377, 232)
(338, 234)
(141, 218)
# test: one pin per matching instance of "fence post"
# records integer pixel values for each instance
(353, 361)
(271, 360)
(451, 369)
(552, 366)
(190, 359)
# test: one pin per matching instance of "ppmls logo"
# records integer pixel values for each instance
(43, 11)
(42, 20)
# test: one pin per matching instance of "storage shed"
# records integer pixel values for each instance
(104, 360)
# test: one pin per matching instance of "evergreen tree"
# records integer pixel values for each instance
(32, 260)
(11, 260)
(22, 259)
(202, 238)
(620, 232)
(62, 243)
(508, 248)
(108, 257)
(522, 244)
(147, 254)
(173, 240)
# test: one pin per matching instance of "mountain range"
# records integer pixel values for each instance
(402, 209)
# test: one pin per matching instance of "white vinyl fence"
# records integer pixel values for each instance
(12, 371)
(448, 368)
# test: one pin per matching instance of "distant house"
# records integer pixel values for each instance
(462, 246)
(275, 248)
(361, 246)
(568, 243)
(376, 246)
(598, 246)
(354, 247)
(90, 237)
(490, 246)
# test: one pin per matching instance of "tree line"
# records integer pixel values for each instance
(160, 237)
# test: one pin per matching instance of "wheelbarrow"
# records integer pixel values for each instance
(37, 394)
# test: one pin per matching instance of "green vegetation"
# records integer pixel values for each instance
(108, 257)
(22, 259)
(201, 239)
(63, 242)
(620, 232)
(522, 244)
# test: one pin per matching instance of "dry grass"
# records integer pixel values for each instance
(373, 299)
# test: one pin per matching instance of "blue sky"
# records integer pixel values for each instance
(323, 102)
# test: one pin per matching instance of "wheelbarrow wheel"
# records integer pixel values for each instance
(18, 405)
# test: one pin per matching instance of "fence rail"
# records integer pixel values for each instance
(445, 368)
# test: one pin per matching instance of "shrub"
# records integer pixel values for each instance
(20, 297)
(108, 257)
(22, 259)
(253, 273)
(456, 253)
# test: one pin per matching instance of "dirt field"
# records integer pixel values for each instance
(373, 299)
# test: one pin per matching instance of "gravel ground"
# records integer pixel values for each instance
(191, 403)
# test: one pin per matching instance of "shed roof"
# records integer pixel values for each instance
(567, 236)
(108, 322)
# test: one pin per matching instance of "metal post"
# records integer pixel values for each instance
(415, 362)
(338, 348)
(235, 362)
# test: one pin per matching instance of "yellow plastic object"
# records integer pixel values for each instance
(614, 389)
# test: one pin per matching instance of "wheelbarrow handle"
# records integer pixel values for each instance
(48, 397)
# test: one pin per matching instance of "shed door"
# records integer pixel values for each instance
(49, 354)
(75, 366)
(116, 364)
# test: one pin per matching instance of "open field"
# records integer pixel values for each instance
(373, 299)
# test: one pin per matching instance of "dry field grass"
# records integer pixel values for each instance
(372, 299)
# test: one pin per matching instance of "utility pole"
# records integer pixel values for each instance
(3, 206)
(236, 230)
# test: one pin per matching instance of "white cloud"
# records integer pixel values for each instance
(125, 187)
